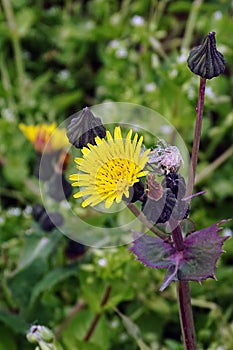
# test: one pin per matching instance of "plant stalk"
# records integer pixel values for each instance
(97, 316)
(183, 290)
(184, 298)
(197, 137)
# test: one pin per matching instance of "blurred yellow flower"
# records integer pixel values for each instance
(110, 168)
(45, 137)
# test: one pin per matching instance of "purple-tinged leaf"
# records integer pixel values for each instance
(196, 262)
(152, 251)
(202, 249)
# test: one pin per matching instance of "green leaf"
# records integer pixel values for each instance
(51, 279)
(37, 246)
(73, 335)
(133, 330)
(14, 321)
(7, 341)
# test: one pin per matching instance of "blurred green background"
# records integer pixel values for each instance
(57, 57)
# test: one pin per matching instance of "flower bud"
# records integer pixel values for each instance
(205, 60)
(84, 128)
(49, 221)
(37, 211)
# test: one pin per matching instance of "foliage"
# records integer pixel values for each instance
(56, 58)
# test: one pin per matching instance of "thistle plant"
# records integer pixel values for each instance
(114, 169)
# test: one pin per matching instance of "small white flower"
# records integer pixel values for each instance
(114, 44)
(150, 87)
(209, 92)
(14, 212)
(137, 21)
(63, 74)
(121, 52)
(217, 15)
(182, 58)
(102, 262)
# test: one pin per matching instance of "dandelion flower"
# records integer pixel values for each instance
(109, 168)
(45, 137)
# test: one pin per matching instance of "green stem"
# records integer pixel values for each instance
(16, 46)
(210, 168)
(191, 23)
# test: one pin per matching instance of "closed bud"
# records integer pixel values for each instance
(37, 211)
(84, 128)
(49, 221)
(205, 60)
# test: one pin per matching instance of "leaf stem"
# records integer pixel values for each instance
(97, 316)
(197, 137)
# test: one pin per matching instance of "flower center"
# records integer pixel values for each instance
(116, 176)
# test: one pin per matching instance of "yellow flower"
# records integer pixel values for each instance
(109, 168)
(45, 136)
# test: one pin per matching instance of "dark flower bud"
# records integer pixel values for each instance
(58, 187)
(37, 211)
(49, 221)
(84, 128)
(135, 192)
(205, 60)
(176, 183)
(74, 249)
(159, 211)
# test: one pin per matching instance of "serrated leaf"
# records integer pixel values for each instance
(196, 262)
(152, 251)
(201, 252)
(51, 279)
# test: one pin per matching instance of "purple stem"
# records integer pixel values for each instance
(197, 137)
(183, 290)
(97, 316)
(184, 298)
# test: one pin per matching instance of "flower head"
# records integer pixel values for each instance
(109, 168)
(45, 137)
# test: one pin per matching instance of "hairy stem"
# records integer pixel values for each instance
(197, 137)
(184, 298)
(186, 315)
(97, 316)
